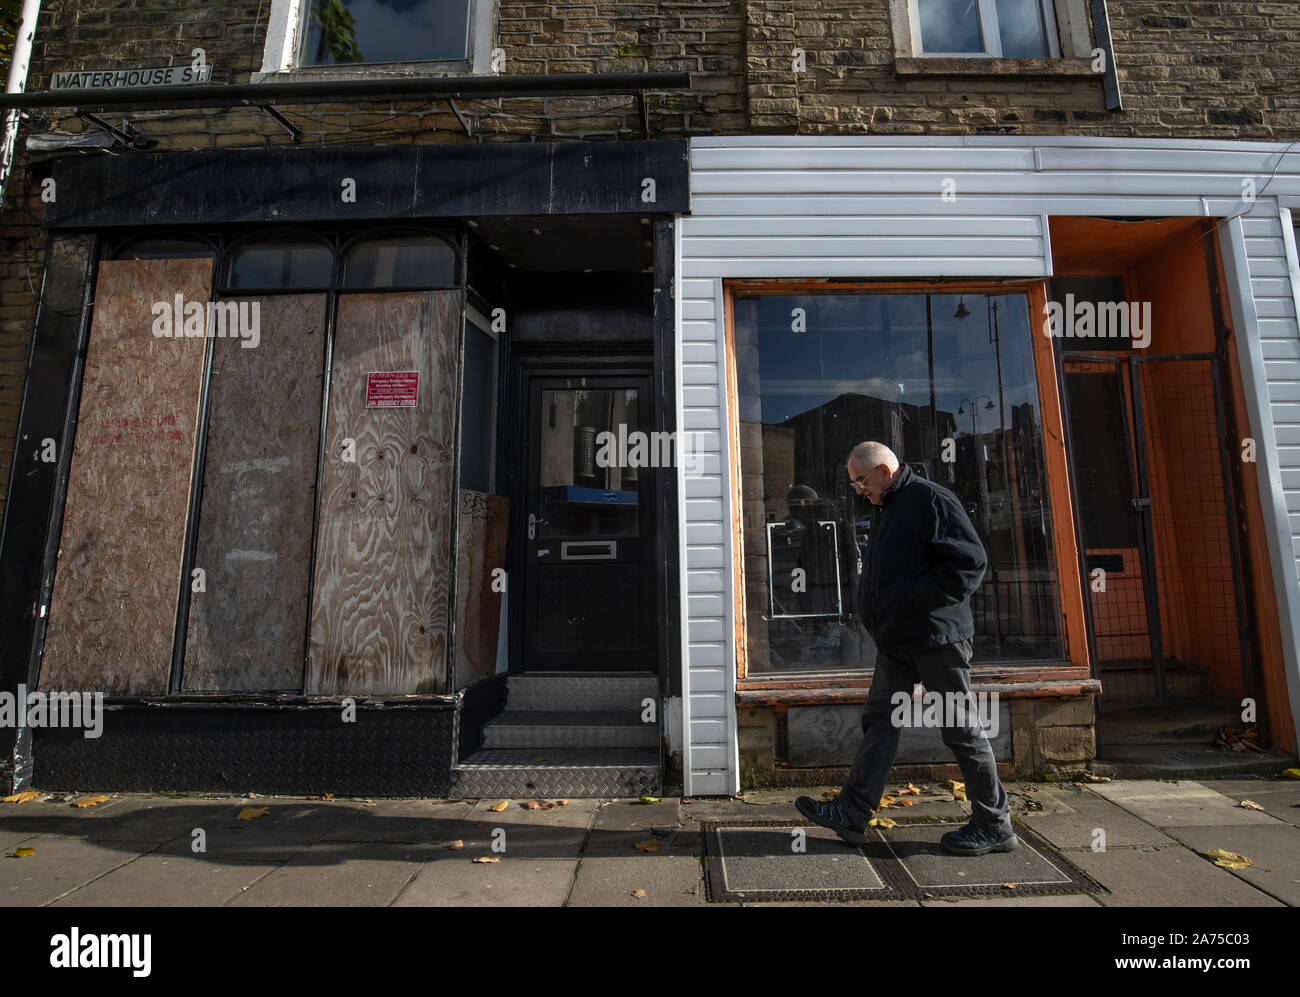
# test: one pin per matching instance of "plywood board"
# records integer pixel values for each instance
(380, 612)
(113, 609)
(246, 629)
(480, 549)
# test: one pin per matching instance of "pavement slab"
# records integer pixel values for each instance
(454, 880)
(1280, 798)
(673, 879)
(1077, 817)
(1169, 876)
(398, 821)
(1178, 804)
(339, 874)
(167, 881)
(59, 866)
(1274, 850)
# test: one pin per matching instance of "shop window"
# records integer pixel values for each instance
(948, 382)
(281, 264)
(408, 261)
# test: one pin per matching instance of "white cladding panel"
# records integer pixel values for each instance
(902, 207)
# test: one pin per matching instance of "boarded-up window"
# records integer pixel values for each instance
(247, 627)
(380, 609)
(113, 609)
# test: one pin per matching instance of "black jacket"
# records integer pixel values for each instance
(923, 560)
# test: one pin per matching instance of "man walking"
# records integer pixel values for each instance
(923, 561)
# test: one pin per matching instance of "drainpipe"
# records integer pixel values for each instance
(18, 67)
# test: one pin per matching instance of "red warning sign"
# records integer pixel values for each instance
(392, 388)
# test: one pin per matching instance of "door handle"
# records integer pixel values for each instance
(1141, 503)
(533, 523)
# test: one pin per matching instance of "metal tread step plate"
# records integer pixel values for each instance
(570, 734)
(588, 693)
(555, 718)
(515, 772)
(561, 757)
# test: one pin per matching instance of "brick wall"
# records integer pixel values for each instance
(1187, 69)
(1223, 70)
(704, 38)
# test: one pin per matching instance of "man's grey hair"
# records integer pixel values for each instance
(871, 454)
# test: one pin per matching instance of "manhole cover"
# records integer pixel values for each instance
(786, 860)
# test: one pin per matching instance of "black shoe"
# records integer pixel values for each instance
(975, 840)
(832, 814)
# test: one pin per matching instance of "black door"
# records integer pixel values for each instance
(588, 524)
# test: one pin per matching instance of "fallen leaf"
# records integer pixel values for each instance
(882, 822)
(456, 845)
(638, 893)
(909, 791)
(907, 803)
(31, 794)
(1291, 773)
(545, 805)
(1250, 805)
(649, 799)
(958, 789)
(531, 805)
(561, 803)
(500, 806)
(887, 800)
(327, 796)
(251, 813)
(830, 794)
(90, 801)
(1008, 886)
(1227, 860)
(485, 859)
(649, 845)
(22, 853)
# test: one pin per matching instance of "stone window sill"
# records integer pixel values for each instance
(364, 71)
(1056, 68)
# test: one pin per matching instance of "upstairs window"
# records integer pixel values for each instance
(376, 31)
(999, 29)
(349, 39)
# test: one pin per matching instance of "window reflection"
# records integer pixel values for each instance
(947, 382)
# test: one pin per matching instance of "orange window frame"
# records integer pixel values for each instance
(1066, 550)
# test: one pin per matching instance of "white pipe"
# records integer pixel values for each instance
(19, 65)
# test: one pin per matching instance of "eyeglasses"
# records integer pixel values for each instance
(860, 483)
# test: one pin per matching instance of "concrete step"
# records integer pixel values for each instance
(1186, 761)
(1195, 722)
(569, 729)
(593, 692)
(514, 773)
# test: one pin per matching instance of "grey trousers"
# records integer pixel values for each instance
(942, 670)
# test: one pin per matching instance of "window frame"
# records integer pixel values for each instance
(990, 36)
(286, 33)
(1073, 665)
